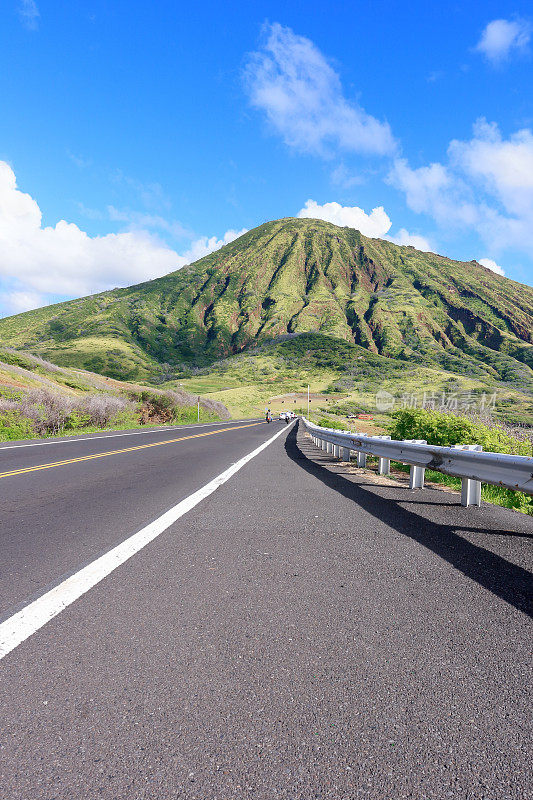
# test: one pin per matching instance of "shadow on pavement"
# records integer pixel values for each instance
(504, 579)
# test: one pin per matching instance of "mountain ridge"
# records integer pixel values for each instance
(293, 276)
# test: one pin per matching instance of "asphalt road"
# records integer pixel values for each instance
(55, 519)
(304, 632)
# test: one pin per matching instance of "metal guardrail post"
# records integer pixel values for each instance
(384, 466)
(470, 492)
(384, 463)
(346, 453)
(470, 488)
(467, 462)
(416, 474)
(416, 477)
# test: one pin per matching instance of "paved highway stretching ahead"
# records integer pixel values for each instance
(303, 632)
(65, 502)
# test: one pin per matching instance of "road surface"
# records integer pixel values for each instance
(303, 631)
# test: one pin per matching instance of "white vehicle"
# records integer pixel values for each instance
(286, 415)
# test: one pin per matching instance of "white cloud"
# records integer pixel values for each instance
(504, 167)
(404, 238)
(376, 225)
(205, 245)
(17, 302)
(63, 260)
(492, 265)
(501, 37)
(293, 83)
(29, 14)
(487, 186)
(434, 190)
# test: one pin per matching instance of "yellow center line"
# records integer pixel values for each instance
(125, 450)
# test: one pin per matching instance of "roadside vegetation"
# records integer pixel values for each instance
(40, 399)
(446, 429)
(43, 413)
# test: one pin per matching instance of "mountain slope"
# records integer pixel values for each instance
(289, 277)
(344, 378)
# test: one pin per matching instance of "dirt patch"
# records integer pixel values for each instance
(12, 384)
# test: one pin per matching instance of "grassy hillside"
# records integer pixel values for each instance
(344, 378)
(288, 277)
(38, 398)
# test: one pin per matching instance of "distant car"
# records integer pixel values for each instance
(287, 415)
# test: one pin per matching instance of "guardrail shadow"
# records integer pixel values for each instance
(501, 577)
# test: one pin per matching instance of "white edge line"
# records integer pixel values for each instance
(130, 433)
(19, 627)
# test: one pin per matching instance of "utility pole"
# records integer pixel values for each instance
(198, 409)
(308, 402)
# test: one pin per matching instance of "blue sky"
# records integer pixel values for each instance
(136, 136)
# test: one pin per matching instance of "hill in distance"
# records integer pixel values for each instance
(290, 277)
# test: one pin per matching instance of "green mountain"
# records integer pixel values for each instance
(289, 277)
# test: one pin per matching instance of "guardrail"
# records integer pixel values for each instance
(467, 462)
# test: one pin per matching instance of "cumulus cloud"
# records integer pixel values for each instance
(41, 262)
(492, 265)
(501, 37)
(29, 14)
(204, 245)
(23, 301)
(301, 94)
(486, 185)
(375, 225)
(503, 166)
(433, 189)
(404, 238)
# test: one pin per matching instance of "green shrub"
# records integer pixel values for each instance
(15, 426)
(184, 415)
(77, 419)
(331, 423)
(442, 429)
